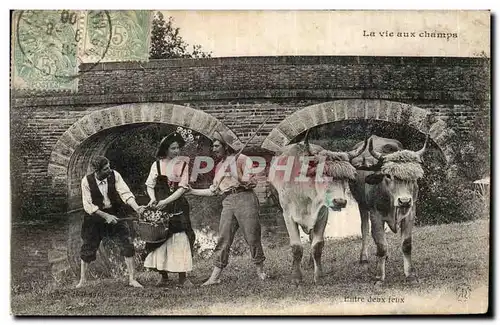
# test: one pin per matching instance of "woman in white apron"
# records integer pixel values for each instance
(166, 184)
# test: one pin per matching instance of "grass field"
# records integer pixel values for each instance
(452, 262)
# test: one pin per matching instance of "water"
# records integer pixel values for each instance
(341, 224)
(38, 255)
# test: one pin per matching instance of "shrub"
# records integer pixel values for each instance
(449, 195)
(447, 199)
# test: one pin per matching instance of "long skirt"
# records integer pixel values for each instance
(173, 256)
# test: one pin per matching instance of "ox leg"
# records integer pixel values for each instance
(406, 229)
(311, 257)
(297, 249)
(365, 226)
(378, 235)
(318, 243)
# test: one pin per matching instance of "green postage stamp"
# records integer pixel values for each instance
(45, 49)
(128, 41)
(49, 45)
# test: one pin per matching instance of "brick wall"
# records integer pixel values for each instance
(446, 75)
(241, 92)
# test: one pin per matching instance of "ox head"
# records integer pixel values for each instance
(335, 172)
(362, 159)
(396, 182)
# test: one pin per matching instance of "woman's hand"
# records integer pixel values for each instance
(152, 203)
(140, 211)
(215, 190)
(162, 205)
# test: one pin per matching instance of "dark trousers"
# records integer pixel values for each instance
(240, 210)
(95, 228)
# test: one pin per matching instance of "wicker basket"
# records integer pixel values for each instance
(151, 233)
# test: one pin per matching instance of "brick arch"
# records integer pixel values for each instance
(360, 109)
(93, 133)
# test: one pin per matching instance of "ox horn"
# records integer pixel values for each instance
(356, 152)
(422, 151)
(306, 142)
(375, 154)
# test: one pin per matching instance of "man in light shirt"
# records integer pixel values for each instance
(240, 207)
(104, 194)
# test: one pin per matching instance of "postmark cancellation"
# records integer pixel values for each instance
(49, 45)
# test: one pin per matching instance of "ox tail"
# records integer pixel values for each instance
(273, 195)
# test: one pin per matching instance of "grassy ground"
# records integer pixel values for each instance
(448, 258)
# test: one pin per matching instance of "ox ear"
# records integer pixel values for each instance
(374, 179)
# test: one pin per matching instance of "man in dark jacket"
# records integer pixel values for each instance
(104, 194)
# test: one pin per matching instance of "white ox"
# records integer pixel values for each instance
(309, 181)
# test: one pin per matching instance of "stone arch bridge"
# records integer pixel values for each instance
(234, 95)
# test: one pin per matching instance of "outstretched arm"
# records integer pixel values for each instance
(151, 183)
(92, 209)
(125, 193)
(152, 196)
(177, 194)
(212, 191)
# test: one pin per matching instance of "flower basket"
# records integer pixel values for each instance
(152, 227)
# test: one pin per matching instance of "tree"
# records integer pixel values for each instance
(166, 43)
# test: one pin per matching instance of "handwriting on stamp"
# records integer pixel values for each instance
(47, 42)
(129, 37)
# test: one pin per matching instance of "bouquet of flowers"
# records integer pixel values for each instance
(153, 216)
(186, 134)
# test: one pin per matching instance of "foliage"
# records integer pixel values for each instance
(206, 240)
(472, 148)
(449, 195)
(166, 42)
(444, 199)
(343, 135)
(133, 153)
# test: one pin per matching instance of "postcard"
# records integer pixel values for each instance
(329, 162)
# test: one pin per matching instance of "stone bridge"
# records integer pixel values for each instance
(55, 135)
